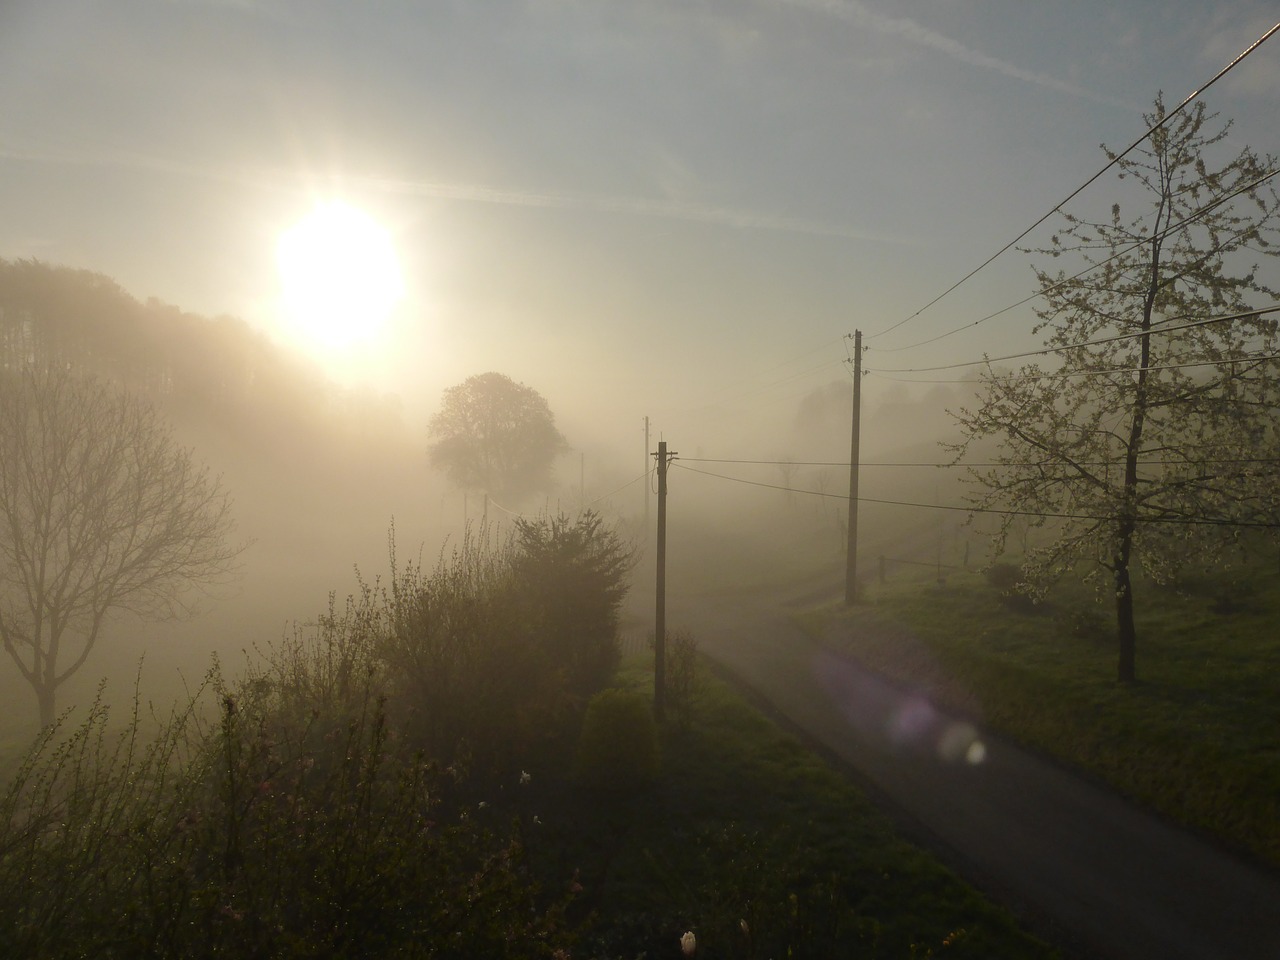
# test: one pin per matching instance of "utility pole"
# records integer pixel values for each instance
(660, 614)
(851, 557)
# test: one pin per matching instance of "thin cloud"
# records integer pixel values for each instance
(630, 206)
(856, 12)
(476, 193)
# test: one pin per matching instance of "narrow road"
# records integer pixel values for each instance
(1082, 865)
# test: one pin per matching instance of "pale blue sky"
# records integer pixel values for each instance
(637, 208)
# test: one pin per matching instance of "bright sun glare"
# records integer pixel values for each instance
(339, 275)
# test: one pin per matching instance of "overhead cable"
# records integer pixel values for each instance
(1107, 371)
(1093, 266)
(611, 493)
(1092, 343)
(1080, 189)
(1179, 521)
(916, 463)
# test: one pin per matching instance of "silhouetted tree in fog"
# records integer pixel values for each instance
(495, 435)
(1144, 446)
(100, 510)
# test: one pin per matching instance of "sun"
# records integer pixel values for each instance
(339, 276)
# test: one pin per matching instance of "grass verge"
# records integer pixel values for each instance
(761, 849)
(1194, 740)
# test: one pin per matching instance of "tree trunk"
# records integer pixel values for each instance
(1128, 637)
(44, 696)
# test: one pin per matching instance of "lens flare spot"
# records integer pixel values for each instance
(976, 753)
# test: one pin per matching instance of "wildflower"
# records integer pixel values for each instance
(688, 944)
(524, 777)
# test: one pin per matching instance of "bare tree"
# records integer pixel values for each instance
(1145, 447)
(100, 510)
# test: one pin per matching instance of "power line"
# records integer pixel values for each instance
(1092, 343)
(1014, 378)
(917, 463)
(1092, 266)
(643, 476)
(1179, 521)
(1114, 160)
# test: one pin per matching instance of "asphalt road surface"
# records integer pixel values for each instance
(1087, 869)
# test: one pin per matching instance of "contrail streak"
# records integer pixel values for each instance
(856, 12)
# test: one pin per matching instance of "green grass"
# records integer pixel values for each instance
(1194, 739)
(745, 824)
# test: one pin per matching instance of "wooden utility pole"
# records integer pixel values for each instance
(660, 614)
(851, 557)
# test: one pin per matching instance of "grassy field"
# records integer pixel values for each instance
(760, 848)
(1196, 739)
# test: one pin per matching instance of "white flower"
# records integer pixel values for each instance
(524, 777)
(688, 944)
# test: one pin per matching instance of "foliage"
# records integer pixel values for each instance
(1003, 577)
(495, 650)
(684, 680)
(201, 371)
(291, 816)
(495, 435)
(100, 510)
(1145, 447)
(575, 575)
(465, 661)
(618, 751)
(257, 835)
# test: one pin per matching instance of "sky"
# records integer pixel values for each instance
(676, 208)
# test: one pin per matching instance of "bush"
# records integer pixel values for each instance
(575, 573)
(1004, 577)
(618, 750)
(500, 645)
(684, 685)
(1007, 580)
(257, 835)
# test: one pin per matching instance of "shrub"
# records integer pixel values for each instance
(618, 750)
(500, 645)
(466, 667)
(575, 572)
(257, 835)
(1007, 580)
(682, 680)
(1003, 577)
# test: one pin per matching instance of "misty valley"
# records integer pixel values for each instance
(844, 662)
